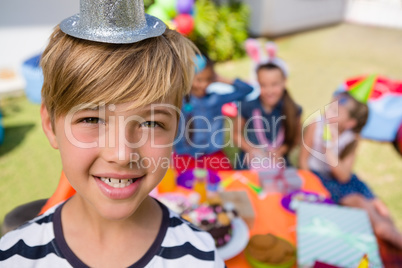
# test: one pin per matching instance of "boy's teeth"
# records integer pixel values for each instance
(117, 183)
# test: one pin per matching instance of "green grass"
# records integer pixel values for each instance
(319, 61)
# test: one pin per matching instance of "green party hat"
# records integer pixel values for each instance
(361, 90)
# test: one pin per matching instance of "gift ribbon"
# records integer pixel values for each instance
(363, 242)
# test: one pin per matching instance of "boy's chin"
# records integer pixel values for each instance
(118, 212)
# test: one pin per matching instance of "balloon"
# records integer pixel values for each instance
(185, 6)
(169, 6)
(229, 109)
(184, 23)
(157, 11)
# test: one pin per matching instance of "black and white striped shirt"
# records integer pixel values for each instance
(41, 243)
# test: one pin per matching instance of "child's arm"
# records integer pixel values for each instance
(241, 90)
(341, 169)
(307, 142)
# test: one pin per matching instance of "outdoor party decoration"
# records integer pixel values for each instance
(177, 14)
(384, 99)
(185, 6)
(184, 23)
(335, 235)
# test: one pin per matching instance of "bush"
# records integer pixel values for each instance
(220, 29)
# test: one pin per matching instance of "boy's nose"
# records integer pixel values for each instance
(122, 149)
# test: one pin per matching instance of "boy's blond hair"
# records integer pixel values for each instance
(78, 71)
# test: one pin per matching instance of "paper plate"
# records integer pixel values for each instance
(239, 241)
(291, 201)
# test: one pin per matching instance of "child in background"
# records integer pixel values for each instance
(105, 105)
(200, 139)
(268, 127)
(330, 153)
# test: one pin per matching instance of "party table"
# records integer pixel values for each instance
(270, 215)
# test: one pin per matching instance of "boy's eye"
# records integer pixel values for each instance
(150, 124)
(91, 120)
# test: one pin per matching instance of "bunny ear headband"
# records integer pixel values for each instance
(256, 53)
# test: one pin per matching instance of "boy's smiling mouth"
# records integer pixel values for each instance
(117, 186)
(117, 183)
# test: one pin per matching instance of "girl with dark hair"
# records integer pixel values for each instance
(267, 127)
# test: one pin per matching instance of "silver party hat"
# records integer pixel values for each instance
(113, 21)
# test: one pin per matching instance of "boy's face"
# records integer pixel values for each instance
(201, 81)
(272, 84)
(114, 156)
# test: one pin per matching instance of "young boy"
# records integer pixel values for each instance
(112, 112)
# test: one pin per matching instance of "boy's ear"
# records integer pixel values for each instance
(47, 126)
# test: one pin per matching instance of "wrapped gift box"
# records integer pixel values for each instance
(335, 235)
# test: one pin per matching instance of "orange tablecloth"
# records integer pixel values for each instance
(270, 217)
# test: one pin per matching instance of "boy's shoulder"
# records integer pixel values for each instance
(31, 244)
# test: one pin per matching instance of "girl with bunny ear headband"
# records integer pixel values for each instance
(269, 126)
(256, 52)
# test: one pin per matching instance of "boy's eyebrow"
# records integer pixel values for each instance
(153, 110)
(88, 108)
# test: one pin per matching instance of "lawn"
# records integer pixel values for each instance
(319, 61)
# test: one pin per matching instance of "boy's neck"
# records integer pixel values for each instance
(77, 207)
(103, 236)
